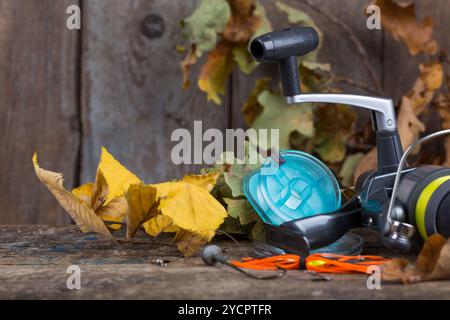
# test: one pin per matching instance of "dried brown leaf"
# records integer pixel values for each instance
(189, 243)
(433, 263)
(409, 126)
(243, 23)
(400, 20)
(189, 60)
(81, 213)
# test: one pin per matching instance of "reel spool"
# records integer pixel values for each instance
(424, 194)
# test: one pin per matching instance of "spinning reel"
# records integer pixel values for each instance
(300, 202)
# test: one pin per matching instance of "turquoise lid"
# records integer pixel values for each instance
(298, 186)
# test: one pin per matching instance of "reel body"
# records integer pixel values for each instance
(392, 199)
(424, 197)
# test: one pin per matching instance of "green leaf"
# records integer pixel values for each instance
(234, 177)
(258, 232)
(334, 124)
(243, 59)
(348, 168)
(300, 18)
(277, 114)
(232, 226)
(241, 209)
(203, 26)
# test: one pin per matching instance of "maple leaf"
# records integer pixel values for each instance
(400, 20)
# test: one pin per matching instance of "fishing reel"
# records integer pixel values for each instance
(300, 201)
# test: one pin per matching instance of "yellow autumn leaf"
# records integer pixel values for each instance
(215, 72)
(116, 176)
(190, 207)
(158, 224)
(114, 211)
(142, 205)
(81, 213)
(100, 191)
(84, 192)
(204, 181)
(188, 243)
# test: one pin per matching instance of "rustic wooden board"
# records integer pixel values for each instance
(131, 86)
(38, 106)
(34, 260)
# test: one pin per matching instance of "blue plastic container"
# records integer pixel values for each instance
(300, 186)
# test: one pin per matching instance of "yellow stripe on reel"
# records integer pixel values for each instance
(422, 203)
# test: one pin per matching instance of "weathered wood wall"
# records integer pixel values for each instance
(117, 83)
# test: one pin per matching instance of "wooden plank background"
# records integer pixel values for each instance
(117, 83)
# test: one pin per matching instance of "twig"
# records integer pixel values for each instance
(359, 47)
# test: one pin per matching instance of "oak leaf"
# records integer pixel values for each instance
(205, 23)
(400, 20)
(277, 114)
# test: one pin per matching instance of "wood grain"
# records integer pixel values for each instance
(126, 92)
(34, 260)
(132, 95)
(38, 106)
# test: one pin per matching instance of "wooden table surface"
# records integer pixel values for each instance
(34, 260)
